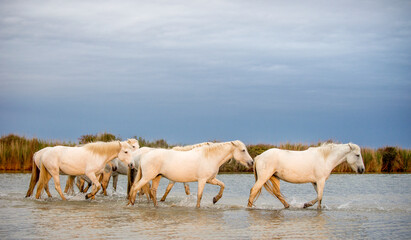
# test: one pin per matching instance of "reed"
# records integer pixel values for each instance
(16, 153)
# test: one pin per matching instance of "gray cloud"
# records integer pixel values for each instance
(223, 65)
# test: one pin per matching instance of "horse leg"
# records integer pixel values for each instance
(43, 182)
(56, 179)
(115, 179)
(145, 190)
(276, 190)
(318, 187)
(187, 188)
(201, 185)
(87, 187)
(168, 189)
(69, 185)
(105, 179)
(262, 178)
(96, 184)
(46, 188)
(80, 183)
(135, 188)
(215, 181)
(154, 186)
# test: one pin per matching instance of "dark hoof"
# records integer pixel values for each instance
(306, 205)
(288, 206)
(88, 196)
(215, 200)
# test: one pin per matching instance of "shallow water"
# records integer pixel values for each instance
(354, 206)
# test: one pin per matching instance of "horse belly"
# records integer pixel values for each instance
(73, 165)
(293, 177)
(183, 172)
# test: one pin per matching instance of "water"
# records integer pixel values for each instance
(354, 207)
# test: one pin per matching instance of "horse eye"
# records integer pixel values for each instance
(358, 155)
(134, 146)
(243, 150)
(125, 151)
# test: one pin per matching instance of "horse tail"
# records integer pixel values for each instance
(35, 171)
(256, 176)
(273, 187)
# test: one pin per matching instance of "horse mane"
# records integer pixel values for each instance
(104, 148)
(325, 149)
(190, 147)
(212, 148)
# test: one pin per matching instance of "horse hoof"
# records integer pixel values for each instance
(87, 196)
(215, 200)
(306, 205)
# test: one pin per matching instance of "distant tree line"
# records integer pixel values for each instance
(16, 153)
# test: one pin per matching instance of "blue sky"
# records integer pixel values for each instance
(193, 71)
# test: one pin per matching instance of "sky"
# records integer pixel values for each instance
(193, 71)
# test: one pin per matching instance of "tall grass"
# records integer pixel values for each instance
(16, 153)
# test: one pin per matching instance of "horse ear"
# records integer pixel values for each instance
(233, 143)
(350, 145)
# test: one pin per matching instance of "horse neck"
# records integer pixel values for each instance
(107, 158)
(338, 156)
(222, 156)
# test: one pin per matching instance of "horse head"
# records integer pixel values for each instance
(133, 143)
(354, 158)
(240, 154)
(125, 154)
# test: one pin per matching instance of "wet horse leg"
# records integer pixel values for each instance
(96, 184)
(215, 181)
(154, 186)
(262, 178)
(105, 179)
(187, 188)
(138, 184)
(168, 189)
(43, 183)
(46, 188)
(56, 178)
(115, 179)
(201, 184)
(69, 185)
(319, 188)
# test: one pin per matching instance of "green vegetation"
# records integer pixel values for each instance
(16, 153)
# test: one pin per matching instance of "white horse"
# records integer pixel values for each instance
(138, 154)
(199, 164)
(89, 159)
(70, 180)
(313, 165)
(108, 169)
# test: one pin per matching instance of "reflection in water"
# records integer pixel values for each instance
(354, 214)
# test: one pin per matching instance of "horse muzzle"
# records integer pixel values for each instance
(114, 168)
(360, 170)
(250, 164)
(131, 165)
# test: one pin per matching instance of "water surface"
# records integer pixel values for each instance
(354, 206)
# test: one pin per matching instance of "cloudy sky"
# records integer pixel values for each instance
(193, 71)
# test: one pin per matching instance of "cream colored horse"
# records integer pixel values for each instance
(70, 180)
(111, 168)
(138, 154)
(199, 164)
(89, 159)
(313, 165)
